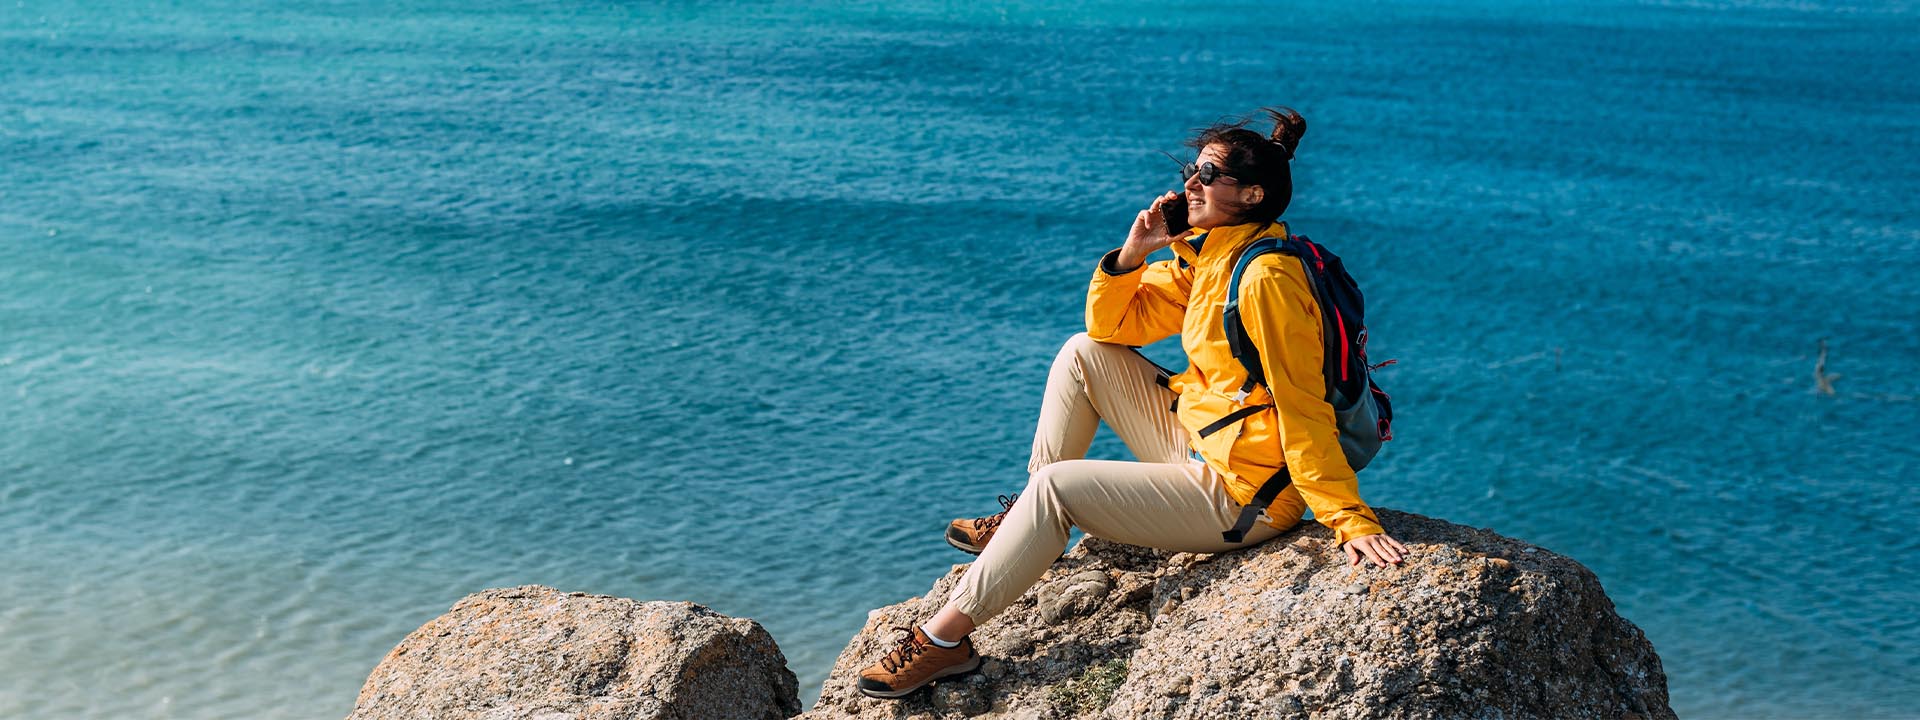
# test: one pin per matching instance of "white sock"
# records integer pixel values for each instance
(936, 639)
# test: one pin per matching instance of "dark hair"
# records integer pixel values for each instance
(1263, 161)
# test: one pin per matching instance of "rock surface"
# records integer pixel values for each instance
(535, 653)
(1473, 625)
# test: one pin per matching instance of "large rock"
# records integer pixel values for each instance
(535, 653)
(1474, 625)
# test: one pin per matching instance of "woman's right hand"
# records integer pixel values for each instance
(1149, 233)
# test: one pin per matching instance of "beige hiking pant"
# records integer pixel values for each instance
(1166, 500)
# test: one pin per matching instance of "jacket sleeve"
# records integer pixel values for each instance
(1140, 307)
(1284, 323)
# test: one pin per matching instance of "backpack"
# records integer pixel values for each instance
(1362, 412)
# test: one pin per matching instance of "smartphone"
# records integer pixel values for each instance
(1175, 211)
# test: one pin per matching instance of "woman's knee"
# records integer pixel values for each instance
(1077, 350)
(1041, 482)
(1083, 345)
(1050, 485)
(1072, 350)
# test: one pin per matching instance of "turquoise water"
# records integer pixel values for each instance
(318, 317)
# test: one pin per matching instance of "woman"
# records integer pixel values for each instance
(1187, 486)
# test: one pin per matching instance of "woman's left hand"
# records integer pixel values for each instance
(1381, 548)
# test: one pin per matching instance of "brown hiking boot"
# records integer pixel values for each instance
(972, 535)
(915, 662)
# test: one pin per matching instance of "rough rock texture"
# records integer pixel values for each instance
(535, 653)
(1474, 625)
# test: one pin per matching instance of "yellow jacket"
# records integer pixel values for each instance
(1283, 321)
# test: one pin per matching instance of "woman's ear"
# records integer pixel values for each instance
(1254, 195)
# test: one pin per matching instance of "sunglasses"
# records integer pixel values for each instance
(1207, 172)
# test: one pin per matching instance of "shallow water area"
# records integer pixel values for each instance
(321, 316)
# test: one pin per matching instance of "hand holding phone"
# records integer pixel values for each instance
(1175, 211)
(1151, 230)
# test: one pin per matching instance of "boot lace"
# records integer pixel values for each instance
(993, 521)
(910, 645)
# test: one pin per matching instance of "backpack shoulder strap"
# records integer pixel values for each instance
(1237, 341)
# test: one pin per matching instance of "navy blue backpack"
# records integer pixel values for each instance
(1362, 412)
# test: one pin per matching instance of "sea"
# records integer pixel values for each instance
(318, 315)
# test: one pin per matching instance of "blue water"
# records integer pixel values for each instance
(315, 318)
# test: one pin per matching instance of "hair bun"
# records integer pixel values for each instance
(1288, 128)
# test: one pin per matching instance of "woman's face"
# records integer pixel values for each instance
(1226, 201)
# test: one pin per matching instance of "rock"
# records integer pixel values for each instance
(535, 653)
(1180, 686)
(1083, 592)
(1472, 625)
(965, 698)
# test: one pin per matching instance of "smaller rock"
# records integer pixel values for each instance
(1083, 594)
(963, 698)
(1181, 686)
(536, 652)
